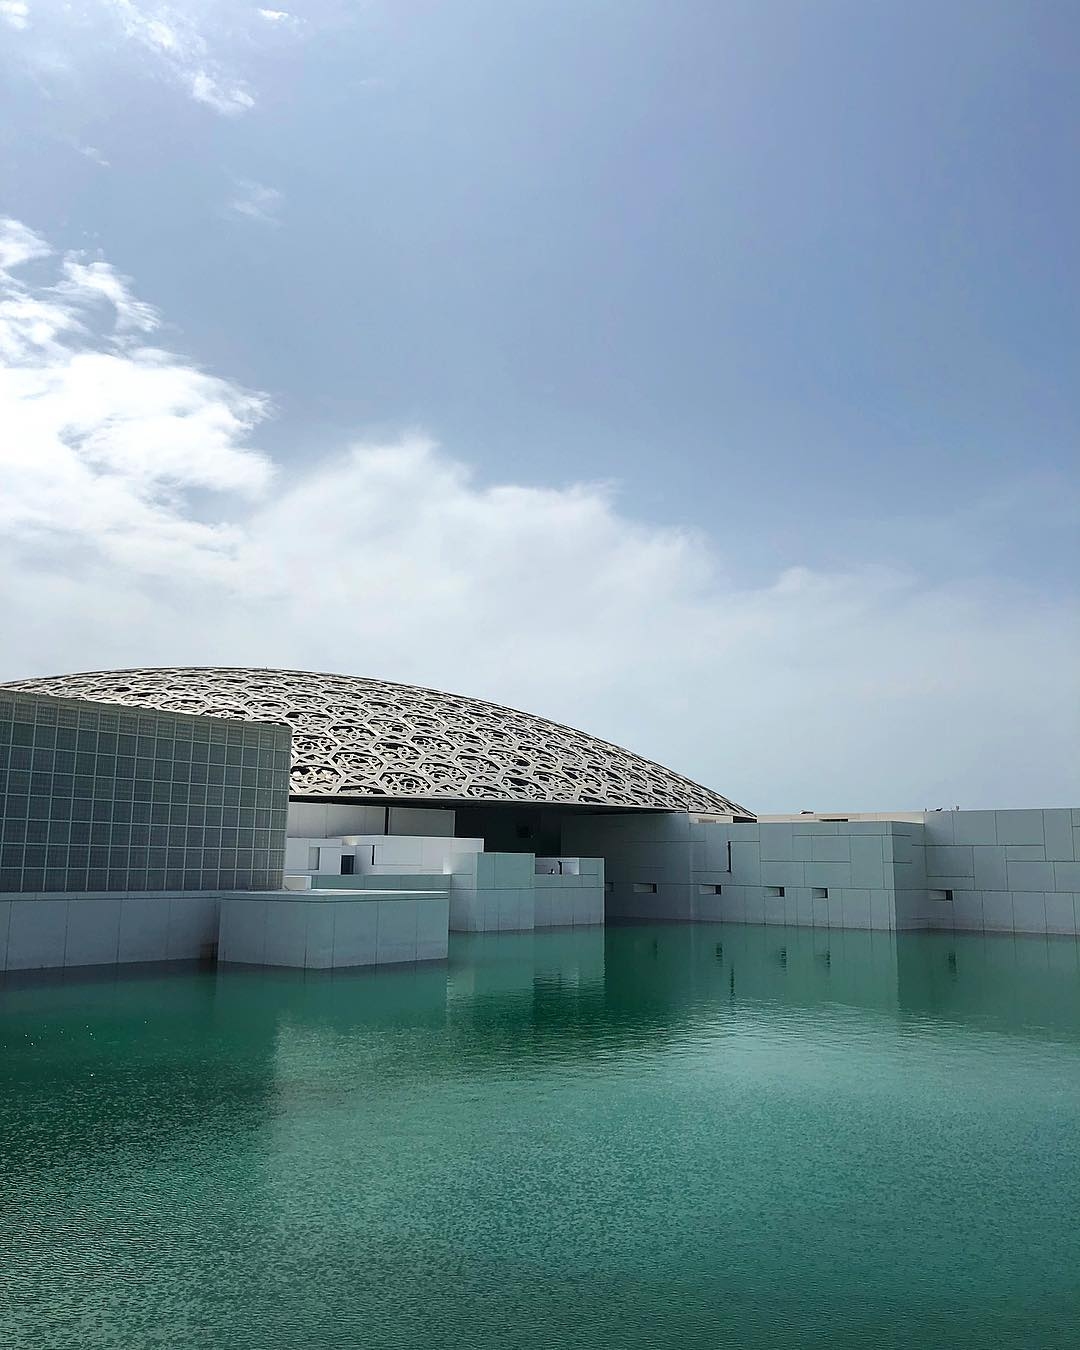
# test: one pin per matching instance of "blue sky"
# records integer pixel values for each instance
(738, 340)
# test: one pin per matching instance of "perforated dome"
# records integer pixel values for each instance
(362, 739)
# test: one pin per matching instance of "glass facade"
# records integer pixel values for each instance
(100, 797)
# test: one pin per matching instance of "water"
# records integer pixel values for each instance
(650, 1137)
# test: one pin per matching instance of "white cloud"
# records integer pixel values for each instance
(172, 37)
(83, 281)
(91, 153)
(105, 439)
(859, 688)
(15, 13)
(255, 201)
(222, 97)
(18, 244)
(275, 15)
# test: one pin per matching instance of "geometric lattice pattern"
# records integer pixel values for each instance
(362, 739)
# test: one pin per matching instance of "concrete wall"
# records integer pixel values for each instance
(325, 820)
(570, 899)
(325, 934)
(54, 931)
(490, 891)
(502, 891)
(376, 853)
(1006, 871)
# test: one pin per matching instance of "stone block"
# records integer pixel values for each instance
(1058, 834)
(709, 908)
(1066, 876)
(947, 883)
(466, 913)
(514, 870)
(1030, 876)
(319, 938)
(855, 908)
(397, 922)
(1061, 916)
(997, 911)
(828, 874)
(777, 843)
(93, 931)
(974, 827)
(990, 869)
(881, 909)
(1029, 911)
(37, 934)
(285, 933)
(801, 845)
(193, 926)
(397, 953)
(777, 873)
(867, 862)
(1019, 827)
(431, 951)
(507, 913)
(949, 860)
(967, 911)
(431, 916)
(774, 911)
(940, 827)
(746, 864)
(356, 928)
(830, 848)
(144, 929)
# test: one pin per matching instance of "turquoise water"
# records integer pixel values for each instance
(649, 1137)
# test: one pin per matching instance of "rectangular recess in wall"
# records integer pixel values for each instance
(774, 892)
(819, 892)
(645, 887)
(313, 859)
(708, 888)
(941, 895)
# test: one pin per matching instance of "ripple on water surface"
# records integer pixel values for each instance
(651, 1136)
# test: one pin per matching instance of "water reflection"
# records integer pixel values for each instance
(644, 1136)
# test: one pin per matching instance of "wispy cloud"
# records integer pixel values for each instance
(862, 687)
(255, 201)
(93, 154)
(275, 15)
(183, 51)
(15, 13)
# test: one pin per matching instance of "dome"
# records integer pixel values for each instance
(364, 740)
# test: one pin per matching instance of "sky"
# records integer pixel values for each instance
(702, 375)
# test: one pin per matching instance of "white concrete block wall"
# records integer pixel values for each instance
(1006, 871)
(1013, 871)
(93, 929)
(325, 820)
(331, 934)
(431, 821)
(573, 899)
